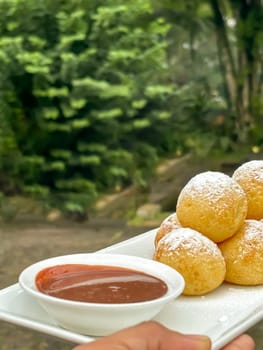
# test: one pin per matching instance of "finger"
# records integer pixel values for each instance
(243, 342)
(149, 335)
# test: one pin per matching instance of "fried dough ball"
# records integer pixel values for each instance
(212, 203)
(167, 226)
(195, 256)
(243, 254)
(250, 177)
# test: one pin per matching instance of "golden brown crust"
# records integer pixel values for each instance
(243, 254)
(167, 226)
(196, 257)
(250, 177)
(212, 203)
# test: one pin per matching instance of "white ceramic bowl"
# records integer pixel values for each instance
(98, 319)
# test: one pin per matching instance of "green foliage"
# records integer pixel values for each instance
(94, 93)
(83, 81)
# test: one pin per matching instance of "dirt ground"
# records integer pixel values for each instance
(22, 244)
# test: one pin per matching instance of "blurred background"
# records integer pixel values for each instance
(107, 108)
(94, 94)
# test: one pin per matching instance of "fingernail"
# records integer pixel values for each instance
(202, 342)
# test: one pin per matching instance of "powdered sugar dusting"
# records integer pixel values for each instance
(253, 230)
(170, 222)
(249, 242)
(252, 169)
(211, 186)
(189, 240)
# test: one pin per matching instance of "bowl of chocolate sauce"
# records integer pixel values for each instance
(97, 294)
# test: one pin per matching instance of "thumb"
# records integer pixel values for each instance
(148, 336)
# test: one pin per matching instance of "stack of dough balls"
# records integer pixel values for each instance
(216, 232)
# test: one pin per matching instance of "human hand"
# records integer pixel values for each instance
(243, 342)
(153, 336)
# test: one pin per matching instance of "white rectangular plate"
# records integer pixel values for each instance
(222, 314)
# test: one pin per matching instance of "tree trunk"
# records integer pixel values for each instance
(241, 67)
